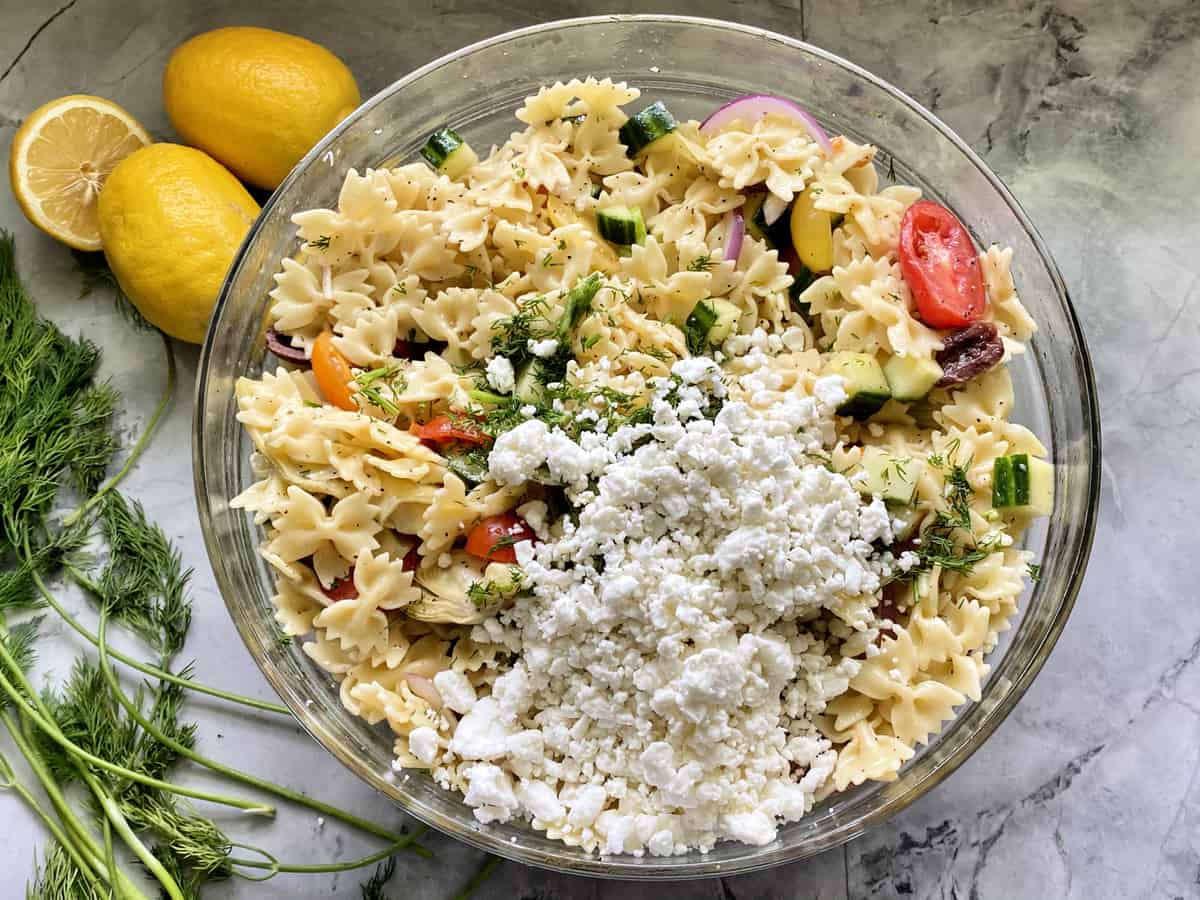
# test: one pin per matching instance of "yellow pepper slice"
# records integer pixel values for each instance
(812, 233)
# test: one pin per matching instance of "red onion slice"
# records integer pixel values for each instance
(753, 107)
(735, 234)
(281, 346)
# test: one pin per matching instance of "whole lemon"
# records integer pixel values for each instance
(171, 220)
(256, 99)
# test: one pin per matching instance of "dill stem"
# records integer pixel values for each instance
(132, 662)
(478, 878)
(142, 442)
(44, 721)
(50, 786)
(228, 771)
(132, 841)
(55, 829)
(318, 868)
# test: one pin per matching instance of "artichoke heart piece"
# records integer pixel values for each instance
(466, 592)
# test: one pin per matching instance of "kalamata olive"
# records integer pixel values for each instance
(969, 352)
(281, 346)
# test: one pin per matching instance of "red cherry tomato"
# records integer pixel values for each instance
(493, 538)
(444, 430)
(342, 589)
(941, 267)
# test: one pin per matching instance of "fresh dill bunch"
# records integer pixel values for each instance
(19, 641)
(143, 585)
(52, 418)
(57, 877)
(372, 889)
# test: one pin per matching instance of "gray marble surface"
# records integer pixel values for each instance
(1091, 112)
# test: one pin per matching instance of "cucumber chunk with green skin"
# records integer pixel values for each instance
(652, 124)
(888, 476)
(777, 236)
(1023, 482)
(866, 387)
(621, 225)
(911, 377)
(527, 388)
(726, 323)
(448, 153)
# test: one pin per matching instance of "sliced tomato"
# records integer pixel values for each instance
(940, 266)
(494, 537)
(342, 589)
(444, 430)
(332, 371)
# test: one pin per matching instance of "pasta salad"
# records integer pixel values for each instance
(650, 479)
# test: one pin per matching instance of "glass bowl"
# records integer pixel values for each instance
(693, 65)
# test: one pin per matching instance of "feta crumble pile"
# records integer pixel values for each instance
(673, 649)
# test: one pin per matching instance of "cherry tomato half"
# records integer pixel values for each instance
(332, 371)
(493, 538)
(940, 266)
(444, 430)
(342, 589)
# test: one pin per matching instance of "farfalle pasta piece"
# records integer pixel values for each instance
(308, 295)
(1005, 309)
(774, 151)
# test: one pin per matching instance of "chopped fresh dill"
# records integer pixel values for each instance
(321, 243)
(371, 383)
(485, 593)
(1035, 571)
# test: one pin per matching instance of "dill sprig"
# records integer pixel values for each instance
(372, 889)
(485, 593)
(940, 542)
(143, 585)
(513, 335)
(371, 385)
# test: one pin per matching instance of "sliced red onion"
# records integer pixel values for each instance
(735, 234)
(281, 346)
(424, 688)
(753, 107)
(773, 208)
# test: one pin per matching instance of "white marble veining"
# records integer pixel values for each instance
(1091, 112)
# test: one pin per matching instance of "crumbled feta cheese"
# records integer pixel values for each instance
(455, 689)
(543, 349)
(423, 744)
(500, 375)
(668, 674)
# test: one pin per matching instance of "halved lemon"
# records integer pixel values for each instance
(60, 158)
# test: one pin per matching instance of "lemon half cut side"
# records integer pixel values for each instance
(61, 156)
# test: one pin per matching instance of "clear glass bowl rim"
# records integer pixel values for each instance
(919, 779)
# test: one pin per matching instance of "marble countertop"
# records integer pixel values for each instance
(1091, 113)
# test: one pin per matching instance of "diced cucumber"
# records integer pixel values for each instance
(447, 152)
(622, 225)
(777, 235)
(710, 324)
(1023, 482)
(893, 478)
(726, 322)
(527, 388)
(866, 387)
(911, 377)
(802, 278)
(652, 124)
